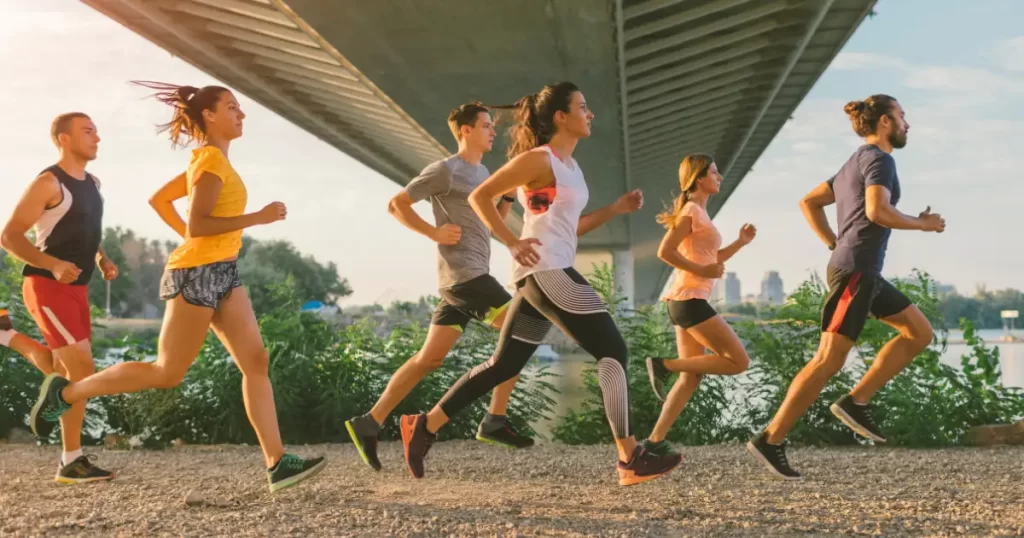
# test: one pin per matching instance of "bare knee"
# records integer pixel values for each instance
(739, 361)
(256, 363)
(168, 378)
(919, 335)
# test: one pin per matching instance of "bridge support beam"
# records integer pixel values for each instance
(624, 277)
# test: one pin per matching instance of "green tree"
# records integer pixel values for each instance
(265, 263)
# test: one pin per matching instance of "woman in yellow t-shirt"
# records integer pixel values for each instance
(200, 283)
(693, 247)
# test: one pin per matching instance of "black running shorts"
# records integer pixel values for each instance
(206, 285)
(855, 295)
(481, 298)
(690, 312)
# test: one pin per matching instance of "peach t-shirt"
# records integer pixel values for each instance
(701, 247)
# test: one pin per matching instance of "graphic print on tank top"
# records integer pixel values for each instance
(72, 229)
(553, 216)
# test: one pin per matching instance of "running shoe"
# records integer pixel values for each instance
(49, 406)
(291, 469)
(364, 431)
(772, 456)
(645, 466)
(417, 441)
(858, 418)
(659, 448)
(82, 471)
(502, 434)
(658, 375)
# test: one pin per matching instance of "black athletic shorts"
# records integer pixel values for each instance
(855, 295)
(481, 298)
(690, 312)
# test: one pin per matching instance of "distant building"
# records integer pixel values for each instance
(772, 292)
(733, 294)
(718, 293)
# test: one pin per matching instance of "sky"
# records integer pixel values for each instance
(958, 72)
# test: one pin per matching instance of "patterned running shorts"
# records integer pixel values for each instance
(206, 285)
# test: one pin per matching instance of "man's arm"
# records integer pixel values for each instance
(813, 207)
(42, 193)
(434, 180)
(882, 213)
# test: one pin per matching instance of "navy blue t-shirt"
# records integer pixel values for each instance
(861, 243)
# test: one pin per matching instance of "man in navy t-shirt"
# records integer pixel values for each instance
(865, 191)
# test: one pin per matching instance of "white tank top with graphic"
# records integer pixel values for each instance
(552, 215)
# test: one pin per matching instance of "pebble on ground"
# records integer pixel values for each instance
(473, 489)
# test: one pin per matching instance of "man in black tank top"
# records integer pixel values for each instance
(65, 208)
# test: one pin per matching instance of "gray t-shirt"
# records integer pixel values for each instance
(447, 183)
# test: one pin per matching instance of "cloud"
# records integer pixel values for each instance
(1010, 54)
(981, 84)
(857, 61)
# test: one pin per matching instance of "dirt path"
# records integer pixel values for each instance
(552, 490)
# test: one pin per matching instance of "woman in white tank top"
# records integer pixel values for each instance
(549, 291)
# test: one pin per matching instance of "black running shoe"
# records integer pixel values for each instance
(659, 448)
(364, 431)
(82, 471)
(502, 434)
(658, 375)
(49, 406)
(772, 456)
(291, 469)
(858, 418)
(417, 441)
(645, 466)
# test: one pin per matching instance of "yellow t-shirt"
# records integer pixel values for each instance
(196, 251)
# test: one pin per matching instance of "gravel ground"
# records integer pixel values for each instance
(551, 490)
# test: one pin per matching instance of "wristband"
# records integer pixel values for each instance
(508, 199)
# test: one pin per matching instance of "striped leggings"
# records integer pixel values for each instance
(564, 298)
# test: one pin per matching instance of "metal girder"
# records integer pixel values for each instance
(329, 87)
(664, 23)
(780, 81)
(728, 111)
(737, 77)
(661, 44)
(347, 85)
(647, 7)
(288, 33)
(623, 106)
(734, 101)
(668, 88)
(751, 47)
(706, 131)
(263, 52)
(212, 54)
(282, 45)
(720, 94)
(329, 48)
(268, 13)
(633, 69)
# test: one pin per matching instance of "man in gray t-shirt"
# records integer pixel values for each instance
(447, 184)
(467, 289)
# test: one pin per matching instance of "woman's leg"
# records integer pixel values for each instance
(236, 326)
(181, 337)
(682, 391)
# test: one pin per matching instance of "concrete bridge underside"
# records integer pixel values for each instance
(665, 78)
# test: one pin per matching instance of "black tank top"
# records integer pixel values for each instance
(71, 230)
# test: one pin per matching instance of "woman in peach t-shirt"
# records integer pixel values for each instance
(693, 247)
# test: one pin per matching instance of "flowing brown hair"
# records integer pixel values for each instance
(693, 167)
(534, 117)
(187, 124)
